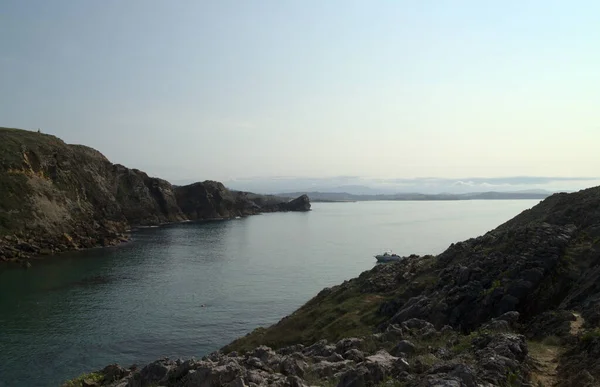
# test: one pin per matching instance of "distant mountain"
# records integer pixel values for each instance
(427, 185)
(348, 197)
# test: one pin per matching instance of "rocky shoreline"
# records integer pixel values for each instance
(518, 306)
(58, 197)
(401, 353)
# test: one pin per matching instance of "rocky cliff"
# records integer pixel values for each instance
(518, 306)
(55, 197)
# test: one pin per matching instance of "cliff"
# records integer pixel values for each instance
(56, 197)
(518, 306)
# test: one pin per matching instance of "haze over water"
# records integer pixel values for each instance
(143, 300)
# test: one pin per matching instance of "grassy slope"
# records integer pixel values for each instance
(347, 310)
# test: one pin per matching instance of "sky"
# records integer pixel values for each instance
(225, 90)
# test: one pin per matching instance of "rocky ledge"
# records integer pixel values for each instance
(518, 306)
(413, 352)
(57, 197)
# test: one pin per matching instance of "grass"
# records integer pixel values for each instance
(78, 382)
(553, 341)
(495, 285)
(591, 335)
(344, 314)
(391, 382)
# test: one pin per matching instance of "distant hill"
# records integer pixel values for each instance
(56, 197)
(347, 197)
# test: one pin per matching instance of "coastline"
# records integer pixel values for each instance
(26, 253)
(482, 313)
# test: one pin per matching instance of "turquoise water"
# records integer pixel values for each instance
(185, 290)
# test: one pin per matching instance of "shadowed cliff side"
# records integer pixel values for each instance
(56, 197)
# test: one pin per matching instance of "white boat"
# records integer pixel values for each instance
(388, 257)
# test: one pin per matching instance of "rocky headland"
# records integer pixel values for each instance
(56, 197)
(518, 306)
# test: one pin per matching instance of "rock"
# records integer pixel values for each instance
(345, 345)
(182, 368)
(255, 362)
(374, 370)
(405, 347)
(510, 317)
(213, 376)
(254, 377)
(89, 383)
(295, 381)
(238, 382)
(291, 349)
(335, 357)
(499, 355)
(327, 369)
(27, 247)
(301, 203)
(354, 355)
(393, 332)
(293, 367)
(434, 381)
(355, 377)
(157, 371)
(320, 348)
(417, 324)
(416, 307)
(400, 367)
(265, 354)
(114, 372)
(465, 375)
(380, 365)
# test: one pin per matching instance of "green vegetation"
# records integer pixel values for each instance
(512, 380)
(12, 189)
(93, 377)
(553, 341)
(495, 285)
(591, 335)
(342, 314)
(343, 311)
(391, 382)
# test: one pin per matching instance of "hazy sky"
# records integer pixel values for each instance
(233, 89)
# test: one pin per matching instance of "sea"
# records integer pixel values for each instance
(185, 290)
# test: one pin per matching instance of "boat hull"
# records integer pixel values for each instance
(388, 258)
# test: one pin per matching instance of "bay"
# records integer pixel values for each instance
(188, 289)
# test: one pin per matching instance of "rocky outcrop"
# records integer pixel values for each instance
(481, 360)
(58, 197)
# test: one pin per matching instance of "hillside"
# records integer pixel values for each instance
(518, 306)
(57, 197)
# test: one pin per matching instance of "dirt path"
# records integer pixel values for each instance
(577, 325)
(546, 356)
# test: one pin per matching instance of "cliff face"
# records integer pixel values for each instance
(56, 197)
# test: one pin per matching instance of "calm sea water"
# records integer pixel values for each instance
(185, 290)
